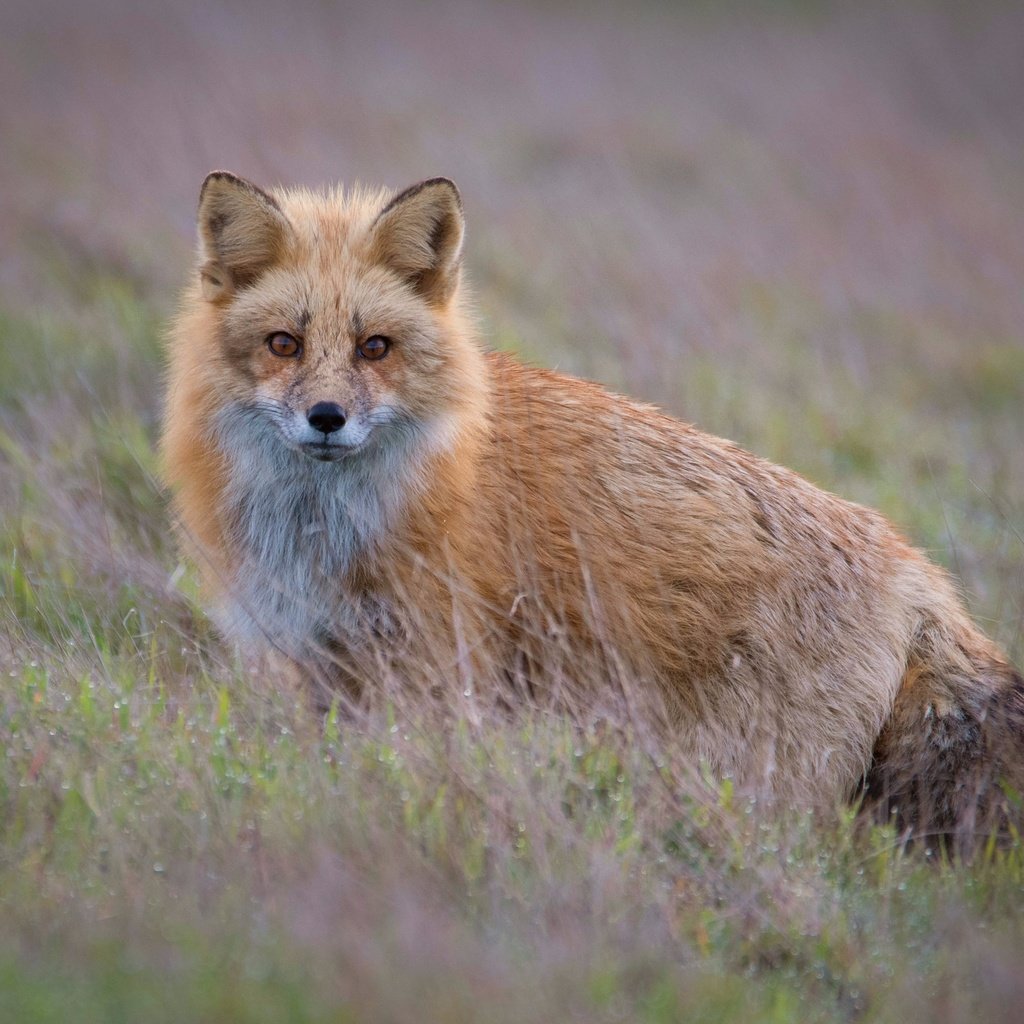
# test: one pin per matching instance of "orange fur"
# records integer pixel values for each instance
(515, 519)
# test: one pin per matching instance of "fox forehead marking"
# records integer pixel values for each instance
(320, 367)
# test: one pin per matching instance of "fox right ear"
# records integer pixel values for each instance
(242, 231)
(419, 235)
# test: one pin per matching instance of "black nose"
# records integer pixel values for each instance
(327, 417)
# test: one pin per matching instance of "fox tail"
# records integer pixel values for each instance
(949, 763)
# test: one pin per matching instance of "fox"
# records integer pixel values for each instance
(364, 485)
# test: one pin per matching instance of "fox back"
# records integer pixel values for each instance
(367, 490)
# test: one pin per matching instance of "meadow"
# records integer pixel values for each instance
(798, 225)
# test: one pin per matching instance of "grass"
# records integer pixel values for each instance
(822, 264)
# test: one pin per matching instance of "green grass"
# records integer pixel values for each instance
(182, 842)
(216, 853)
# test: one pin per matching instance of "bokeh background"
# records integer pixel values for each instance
(800, 225)
(796, 224)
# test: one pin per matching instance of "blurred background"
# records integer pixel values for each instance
(797, 224)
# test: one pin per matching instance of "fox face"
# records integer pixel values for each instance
(332, 319)
(321, 362)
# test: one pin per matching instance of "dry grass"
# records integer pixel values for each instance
(798, 226)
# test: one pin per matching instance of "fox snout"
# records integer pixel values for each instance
(326, 432)
(327, 417)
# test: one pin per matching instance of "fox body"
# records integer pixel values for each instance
(360, 481)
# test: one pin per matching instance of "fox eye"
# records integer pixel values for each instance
(283, 345)
(374, 348)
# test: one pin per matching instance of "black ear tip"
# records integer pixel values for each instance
(236, 184)
(217, 176)
(227, 177)
(422, 186)
(446, 183)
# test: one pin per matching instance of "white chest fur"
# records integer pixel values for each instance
(297, 526)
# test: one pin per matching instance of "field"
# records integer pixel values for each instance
(798, 225)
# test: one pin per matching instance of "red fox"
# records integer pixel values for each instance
(358, 480)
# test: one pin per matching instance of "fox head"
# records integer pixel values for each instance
(333, 317)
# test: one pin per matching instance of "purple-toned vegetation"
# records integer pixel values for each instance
(798, 225)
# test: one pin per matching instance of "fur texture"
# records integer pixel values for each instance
(476, 518)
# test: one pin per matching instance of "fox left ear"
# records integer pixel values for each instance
(242, 232)
(419, 234)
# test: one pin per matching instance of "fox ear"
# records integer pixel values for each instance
(242, 231)
(419, 234)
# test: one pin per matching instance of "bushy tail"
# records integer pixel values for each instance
(949, 763)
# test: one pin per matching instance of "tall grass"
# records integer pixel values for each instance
(803, 230)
